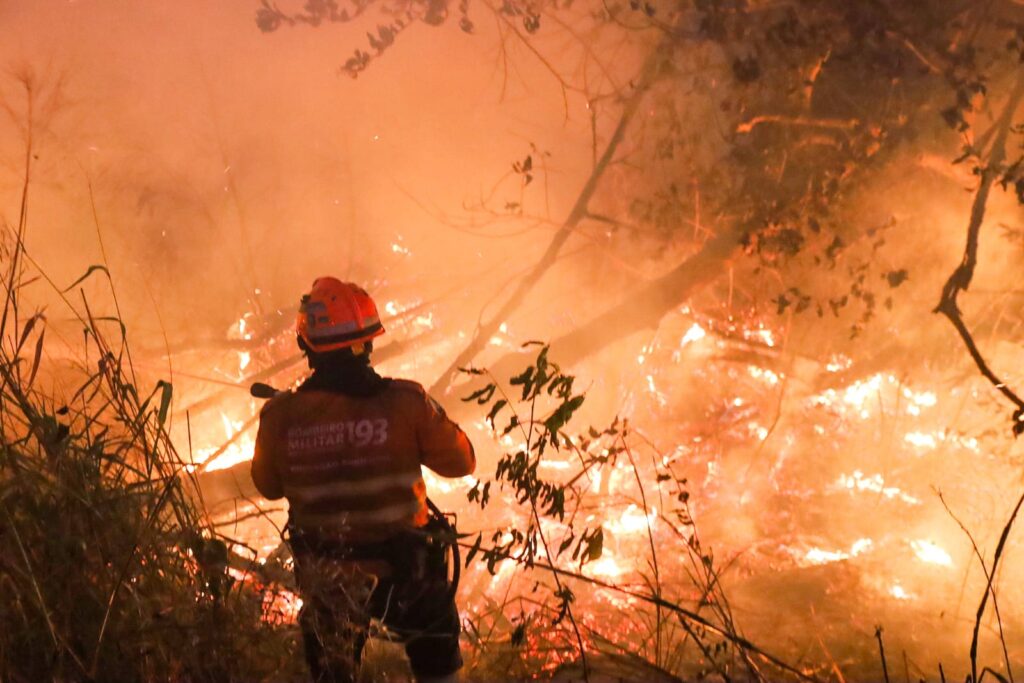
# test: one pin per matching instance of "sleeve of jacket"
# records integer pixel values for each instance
(444, 447)
(266, 455)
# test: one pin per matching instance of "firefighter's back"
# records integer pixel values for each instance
(350, 466)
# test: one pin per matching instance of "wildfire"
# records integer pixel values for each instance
(625, 522)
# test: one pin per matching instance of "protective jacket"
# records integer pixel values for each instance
(349, 462)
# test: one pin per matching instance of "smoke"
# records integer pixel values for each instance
(231, 167)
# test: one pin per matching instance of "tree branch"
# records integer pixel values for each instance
(579, 211)
(961, 278)
(640, 309)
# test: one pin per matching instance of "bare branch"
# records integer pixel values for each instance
(961, 278)
(487, 329)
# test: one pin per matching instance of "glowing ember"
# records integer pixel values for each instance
(839, 363)
(861, 545)
(897, 591)
(239, 450)
(925, 399)
(633, 521)
(922, 440)
(857, 481)
(695, 333)
(240, 329)
(763, 374)
(758, 430)
(927, 551)
(859, 392)
(820, 556)
(281, 607)
(766, 336)
(605, 566)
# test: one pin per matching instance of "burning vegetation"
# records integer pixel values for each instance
(728, 301)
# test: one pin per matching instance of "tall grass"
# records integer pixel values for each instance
(109, 569)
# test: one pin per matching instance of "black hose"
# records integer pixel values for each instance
(453, 545)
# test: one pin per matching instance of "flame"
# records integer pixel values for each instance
(819, 556)
(875, 484)
(927, 551)
(924, 399)
(897, 591)
(605, 566)
(922, 439)
(633, 521)
(766, 336)
(763, 374)
(694, 334)
(240, 328)
(839, 363)
(240, 449)
(281, 607)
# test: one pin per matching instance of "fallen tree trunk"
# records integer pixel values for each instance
(641, 309)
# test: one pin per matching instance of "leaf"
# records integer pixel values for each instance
(895, 278)
(475, 549)
(595, 546)
(566, 543)
(165, 401)
(36, 358)
(481, 396)
(90, 271)
(563, 414)
(512, 424)
(495, 409)
(113, 319)
(29, 326)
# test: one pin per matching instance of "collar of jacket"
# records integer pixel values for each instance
(355, 379)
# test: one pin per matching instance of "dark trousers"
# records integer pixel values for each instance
(341, 597)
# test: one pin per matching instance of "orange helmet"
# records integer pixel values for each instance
(336, 315)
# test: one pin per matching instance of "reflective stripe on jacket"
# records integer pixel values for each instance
(350, 466)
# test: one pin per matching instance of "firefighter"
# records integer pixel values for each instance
(345, 449)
